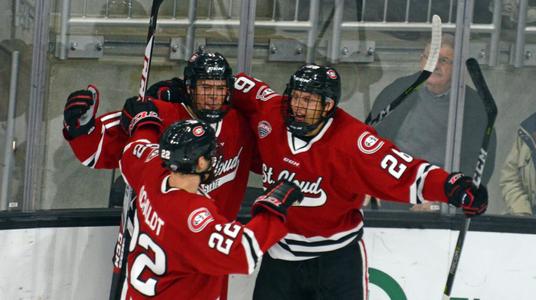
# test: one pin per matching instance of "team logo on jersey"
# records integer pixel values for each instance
(198, 131)
(264, 129)
(199, 219)
(331, 74)
(368, 143)
(265, 93)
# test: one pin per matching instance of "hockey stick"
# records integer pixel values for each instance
(149, 50)
(429, 67)
(121, 254)
(491, 112)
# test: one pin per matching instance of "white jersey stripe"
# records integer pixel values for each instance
(416, 188)
(89, 160)
(92, 160)
(314, 249)
(364, 261)
(255, 245)
(111, 116)
(251, 249)
(249, 257)
(278, 252)
(294, 247)
(312, 239)
(112, 124)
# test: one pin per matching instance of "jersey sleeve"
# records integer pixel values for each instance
(139, 154)
(229, 247)
(249, 93)
(101, 148)
(385, 172)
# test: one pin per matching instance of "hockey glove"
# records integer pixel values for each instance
(461, 192)
(173, 90)
(136, 114)
(278, 199)
(79, 112)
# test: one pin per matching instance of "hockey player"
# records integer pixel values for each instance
(98, 142)
(336, 159)
(181, 245)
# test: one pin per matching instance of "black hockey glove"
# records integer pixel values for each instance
(173, 90)
(79, 112)
(461, 192)
(278, 199)
(136, 114)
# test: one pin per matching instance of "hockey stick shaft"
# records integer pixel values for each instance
(429, 67)
(433, 56)
(149, 49)
(491, 112)
(128, 211)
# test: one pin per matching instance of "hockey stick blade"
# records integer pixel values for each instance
(429, 67)
(491, 112)
(433, 56)
(149, 50)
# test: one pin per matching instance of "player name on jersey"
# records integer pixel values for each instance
(150, 216)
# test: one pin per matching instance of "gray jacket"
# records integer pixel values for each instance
(474, 124)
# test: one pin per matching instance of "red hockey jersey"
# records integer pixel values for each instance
(101, 149)
(181, 245)
(345, 161)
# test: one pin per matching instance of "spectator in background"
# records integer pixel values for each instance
(419, 125)
(518, 175)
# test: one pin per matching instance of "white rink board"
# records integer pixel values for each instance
(75, 263)
(493, 266)
(56, 263)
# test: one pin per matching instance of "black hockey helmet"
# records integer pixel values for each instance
(208, 66)
(315, 79)
(183, 142)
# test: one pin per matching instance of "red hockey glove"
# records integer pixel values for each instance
(79, 112)
(278, 199)
(173, 90)
(136, 114)
(461, 192)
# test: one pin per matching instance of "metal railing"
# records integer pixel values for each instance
(210, 18)
(9, 146)
(193, 20)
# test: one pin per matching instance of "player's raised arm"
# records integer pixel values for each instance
(96, 141)
(393, 174)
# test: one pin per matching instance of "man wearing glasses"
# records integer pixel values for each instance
(419, 125)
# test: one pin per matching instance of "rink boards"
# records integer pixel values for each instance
(75, 262)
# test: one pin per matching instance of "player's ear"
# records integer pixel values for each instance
(330, 104)
(202, 164)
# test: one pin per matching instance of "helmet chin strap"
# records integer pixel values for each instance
(301, 129)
